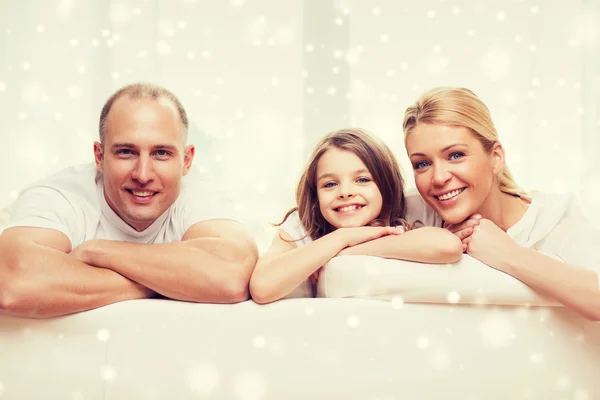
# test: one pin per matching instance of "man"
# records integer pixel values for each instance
(128, 227)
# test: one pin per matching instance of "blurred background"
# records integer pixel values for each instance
(263, 80)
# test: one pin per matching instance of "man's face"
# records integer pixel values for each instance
(143, 160)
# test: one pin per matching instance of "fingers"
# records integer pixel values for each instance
(464, 233)
(314, 277)
(471, 222)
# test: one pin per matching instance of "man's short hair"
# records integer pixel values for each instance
(142, 90)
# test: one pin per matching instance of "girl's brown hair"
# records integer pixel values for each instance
(380, 162)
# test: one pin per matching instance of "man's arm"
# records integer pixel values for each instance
(212, 264)
(39, 279)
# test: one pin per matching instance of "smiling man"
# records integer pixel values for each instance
(137, 223)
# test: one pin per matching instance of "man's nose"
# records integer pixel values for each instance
(143, 171)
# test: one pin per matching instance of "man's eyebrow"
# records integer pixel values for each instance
(123, 145)
(165, 147)
(126, 145)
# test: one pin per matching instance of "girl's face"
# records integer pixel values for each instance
(348, 196)
(453, 172)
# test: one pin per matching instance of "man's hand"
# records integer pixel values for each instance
(82, 251)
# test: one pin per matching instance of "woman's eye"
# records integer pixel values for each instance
(420, 164)
(456, 156)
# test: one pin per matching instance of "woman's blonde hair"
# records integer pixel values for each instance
(380, 163)
(460, 107)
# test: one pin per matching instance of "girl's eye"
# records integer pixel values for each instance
(420, 165)
(456, 155)
(363, 180)
(329, 185)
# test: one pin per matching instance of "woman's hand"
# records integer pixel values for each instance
(490, 244)
(464, 229)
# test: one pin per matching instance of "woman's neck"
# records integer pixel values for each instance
(503, 209)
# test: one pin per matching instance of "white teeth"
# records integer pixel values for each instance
(142, 193)
(348, 208)
(451, 194)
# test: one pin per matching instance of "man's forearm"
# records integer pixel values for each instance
(39, 282)
(203, 270)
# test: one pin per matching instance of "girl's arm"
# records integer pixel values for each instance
(426, 245)
(285, 266)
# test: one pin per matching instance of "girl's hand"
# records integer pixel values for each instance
(490, 244)
(314, 278)
(354, 236)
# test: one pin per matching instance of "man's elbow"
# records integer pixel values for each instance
(18, 303)
(236, 287)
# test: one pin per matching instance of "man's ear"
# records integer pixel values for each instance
(99, 156)
(497, 158)
(188, 157)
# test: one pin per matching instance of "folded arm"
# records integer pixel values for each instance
(575, 287)
(426, 245)
(39, 279)
(212, 263)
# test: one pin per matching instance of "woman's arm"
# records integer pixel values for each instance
(573, 286)
(426, 245)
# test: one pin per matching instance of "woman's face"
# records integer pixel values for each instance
(453, 172)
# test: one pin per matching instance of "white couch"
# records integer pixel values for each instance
(455, 347)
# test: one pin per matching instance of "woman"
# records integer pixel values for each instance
(460, 172)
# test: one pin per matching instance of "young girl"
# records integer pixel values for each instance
(350, 200)
(542, 240)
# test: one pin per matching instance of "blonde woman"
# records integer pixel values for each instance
(460, 172)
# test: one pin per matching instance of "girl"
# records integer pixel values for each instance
(350, 200)
(460, 172)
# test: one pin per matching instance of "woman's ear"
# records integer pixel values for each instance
(497, 158)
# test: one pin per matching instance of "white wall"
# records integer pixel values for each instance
(263, 79)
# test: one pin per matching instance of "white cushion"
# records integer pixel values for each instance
(469, 281)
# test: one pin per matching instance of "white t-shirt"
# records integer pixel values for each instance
(72, 202)
(553, 224)
(293, 227)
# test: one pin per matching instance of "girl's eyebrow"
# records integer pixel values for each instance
(332, 175)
